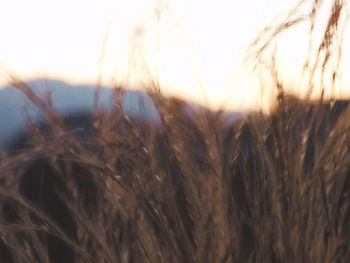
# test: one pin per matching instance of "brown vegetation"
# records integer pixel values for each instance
(265, 189)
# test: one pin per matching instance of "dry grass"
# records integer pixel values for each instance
(265, 189)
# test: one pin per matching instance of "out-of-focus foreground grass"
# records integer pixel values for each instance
(190, 189)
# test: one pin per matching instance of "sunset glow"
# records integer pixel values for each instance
(193, 48)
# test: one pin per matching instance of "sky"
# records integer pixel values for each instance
(192, 48)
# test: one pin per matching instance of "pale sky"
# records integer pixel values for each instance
(195, 47)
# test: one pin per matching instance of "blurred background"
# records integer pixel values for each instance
(196, 50)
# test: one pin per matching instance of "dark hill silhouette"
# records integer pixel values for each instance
(16, 109)
(71, 100)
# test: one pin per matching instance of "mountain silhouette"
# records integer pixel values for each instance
(16, 109)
